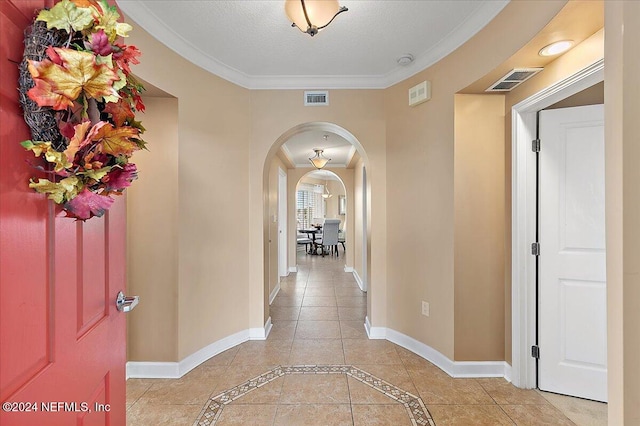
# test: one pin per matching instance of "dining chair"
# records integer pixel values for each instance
(304, 240)
(329, 235)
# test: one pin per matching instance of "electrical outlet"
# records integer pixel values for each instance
(425, 308)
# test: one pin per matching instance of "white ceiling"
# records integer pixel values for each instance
(300, 147)
(251, 42)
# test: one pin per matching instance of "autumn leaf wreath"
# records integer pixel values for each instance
(79, 100)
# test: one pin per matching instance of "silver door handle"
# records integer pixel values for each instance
(126, 304)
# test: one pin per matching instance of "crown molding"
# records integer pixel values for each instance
(145, 18)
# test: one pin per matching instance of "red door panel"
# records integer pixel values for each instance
(62, 340)
(23, 228)
(92, 284)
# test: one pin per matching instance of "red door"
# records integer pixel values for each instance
(62, 340)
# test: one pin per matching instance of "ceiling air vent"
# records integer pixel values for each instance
(513, 78)
(316, 98)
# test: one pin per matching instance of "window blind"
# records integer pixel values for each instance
(309, 205)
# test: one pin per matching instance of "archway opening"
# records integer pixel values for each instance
(320, 195)
(344, 178)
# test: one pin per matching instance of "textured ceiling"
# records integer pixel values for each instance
(252, 44)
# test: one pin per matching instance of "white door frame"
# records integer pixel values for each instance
(365, 226)
(283, 270)
(523, 216)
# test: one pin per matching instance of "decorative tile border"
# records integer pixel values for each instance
(416, 409)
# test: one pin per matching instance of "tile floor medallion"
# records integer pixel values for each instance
(415, 408)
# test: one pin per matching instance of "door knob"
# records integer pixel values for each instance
(126, 304)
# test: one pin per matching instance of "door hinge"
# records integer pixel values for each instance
(535, 351)
(535, 248)
(535, 145)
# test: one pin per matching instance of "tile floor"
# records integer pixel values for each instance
(318, 319)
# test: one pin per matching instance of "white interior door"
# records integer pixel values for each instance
(572, 317)
(282, 223)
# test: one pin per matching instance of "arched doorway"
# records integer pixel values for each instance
(357, 206)
(322, 195)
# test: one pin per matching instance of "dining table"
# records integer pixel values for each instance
(311, 233)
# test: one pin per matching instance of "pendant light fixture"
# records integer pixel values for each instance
(319, 160)
(326, 194)
(311, 16)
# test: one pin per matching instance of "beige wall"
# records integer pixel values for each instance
(590, 96)
(589, 51)
(479, 227)
(274, 242)
(622, 155)
(213, 206)
(152, 238)
(420, 170)
(336, 189)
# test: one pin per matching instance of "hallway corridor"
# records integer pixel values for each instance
(317, 367)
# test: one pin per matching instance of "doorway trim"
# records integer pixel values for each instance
(523, 216)
(363, 281)
(283, 269)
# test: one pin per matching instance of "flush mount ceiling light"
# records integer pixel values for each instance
(311, 16)
(556, 48)
(319, 160)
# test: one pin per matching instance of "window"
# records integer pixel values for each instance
(310, 207)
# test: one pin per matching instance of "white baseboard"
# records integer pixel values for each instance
(356, 276)
(261, 333)
(507, 372)
(293, 269)
(274, 293)
(458, 369)
(374, 332)
(156, 370)
(267, 327)
(175, 370)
